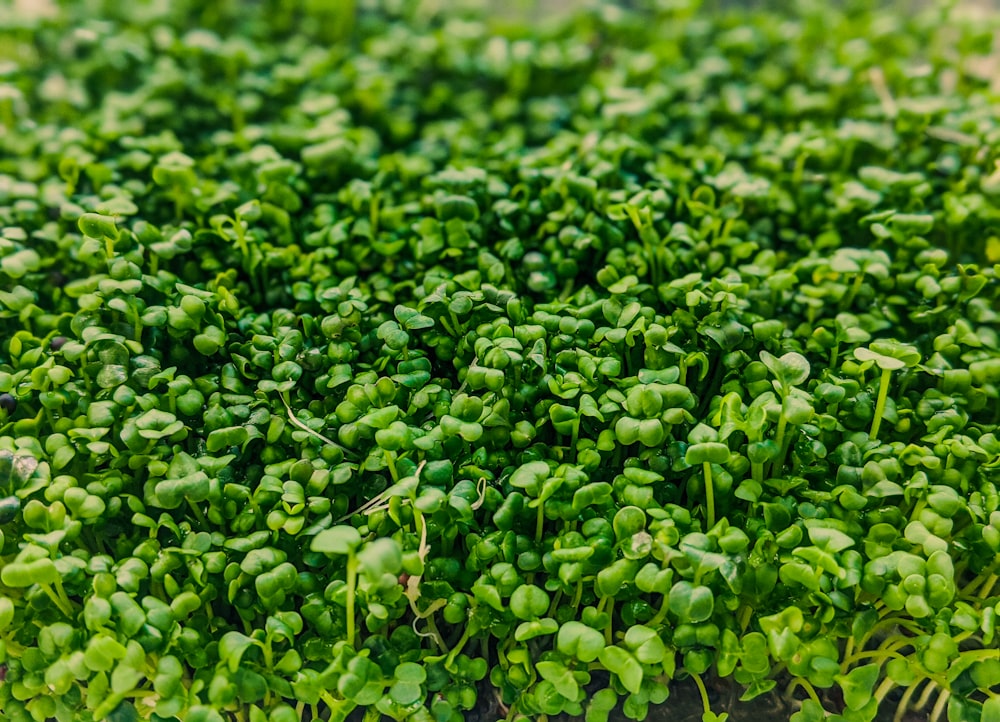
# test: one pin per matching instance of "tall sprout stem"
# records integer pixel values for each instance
(883, 395)
(940, 705)
(926, 695)
(883, 689)
(779, 438)
(988, 585)
(703, 692)
(352, 584)
(709, 493)
(904, 702)
(58, 599)
(459, 645)
(806, 685)
(390, 462)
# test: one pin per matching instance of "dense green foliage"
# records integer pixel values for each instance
(410, 360)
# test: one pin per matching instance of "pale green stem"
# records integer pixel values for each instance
(198, 514)
(779, 437)
(709, 494)
(703, 692)
(926, 695)
(390, 462)
(883, 689)
(269, 655)
(450, 660)
(662, 613)
(807, 686)
(303, 427)
(904, 701)
(987, 587)
(883, 395)
(61, 592)
(556, 599)
(940, 705)
(352, 583)
(64, 606)
(979, 655)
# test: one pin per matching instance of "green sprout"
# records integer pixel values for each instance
(528, 378)
(888, 356)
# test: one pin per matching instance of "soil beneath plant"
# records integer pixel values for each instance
(685, 705)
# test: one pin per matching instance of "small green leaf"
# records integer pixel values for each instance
(623, 664)
(530, 477)
(529, 602)
(691, 603)
(858, 685)
(560, 677)
(710, 452)
(578, 640)
(889, 355)
(98, 226)
(336, 540)
(601, 704)
(405, 693)
(791, 369)
(536, 628)
(232, 646)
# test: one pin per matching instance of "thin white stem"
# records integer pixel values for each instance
(301, 425)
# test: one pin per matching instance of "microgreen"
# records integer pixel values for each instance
(889, 357)
(565, 366)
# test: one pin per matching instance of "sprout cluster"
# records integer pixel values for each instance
(399, 359)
